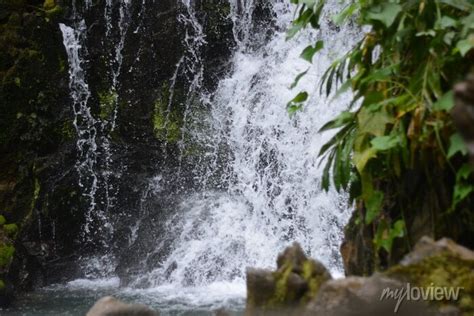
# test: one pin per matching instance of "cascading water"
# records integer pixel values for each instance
(84, 122)
(269, 194)
(93, 131)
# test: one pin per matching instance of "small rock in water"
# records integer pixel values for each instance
(109, 306)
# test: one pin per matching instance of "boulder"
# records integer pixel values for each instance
(427, 247)
(440, 264)
(363, 296)
(109, 306)
(286, 290)
(302, 286)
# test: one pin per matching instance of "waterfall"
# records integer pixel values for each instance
(84, 122)
(256, 169)
(261, 187)
(94, 158)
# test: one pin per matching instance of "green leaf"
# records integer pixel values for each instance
(292, 109)
(445, 22)
(342, 119)
(463, 187)
(461, 192)
(448, 38)
(373, 204)
(296, 105)
(385, 13)
(464, 46)
(344, 88)
(309, 51)
(382, 143)
(303, 19)
(379, 74)
(361, 158)
(300, 98)
(325, 179)
(464, 172)
(298, 78)
(398, 229)
(373, 121)
(347, 12)
(385, 235)
(457, 145)
(445, 103)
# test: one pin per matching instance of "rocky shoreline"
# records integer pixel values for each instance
(435, 278)
(302, 286)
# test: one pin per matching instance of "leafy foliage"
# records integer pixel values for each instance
(401, 73)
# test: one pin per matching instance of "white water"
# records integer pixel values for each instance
(84, 123)
(270, 194)
(93, 133)
(259, 169)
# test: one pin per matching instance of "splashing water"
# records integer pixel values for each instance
(94, 159)
(269, 192)
(258, 174)
(84, 122)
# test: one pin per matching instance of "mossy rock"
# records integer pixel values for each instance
(107, 102)
(49, 4)
(296, 281)
(11, 230)
(167, 117)
(6, 255)
(440, 264)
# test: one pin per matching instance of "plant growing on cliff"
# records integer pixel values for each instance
(401, 73)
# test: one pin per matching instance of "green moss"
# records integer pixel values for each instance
(2, 285)
(107, 102)
(313, 278)
(444, 270)
(166, 122)
(282, 295)
(36, 192)
(52, 9)
(11, 230)
(67, 131)
(6, 255)
(49, 4)
(2, 220)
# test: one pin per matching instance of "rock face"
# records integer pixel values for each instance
(286, 290)
(431, 266)
(36, 137)
(109, 306)
(39, 189)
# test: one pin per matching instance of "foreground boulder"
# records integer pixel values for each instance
(287, 290)
(109, 306)
(436, 278)
(439, 265)
(365, 296)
